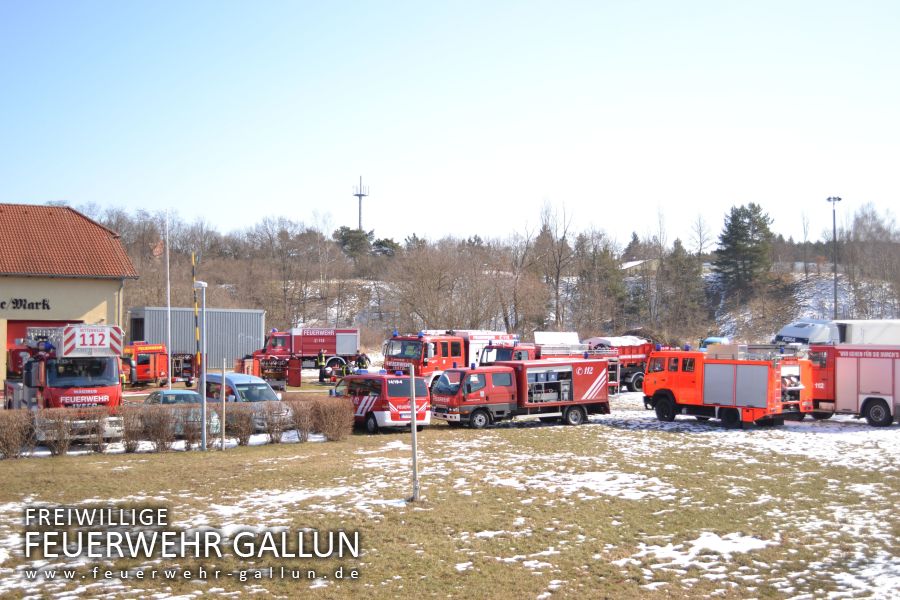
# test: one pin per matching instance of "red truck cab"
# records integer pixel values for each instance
(551, 389)
(149, 363)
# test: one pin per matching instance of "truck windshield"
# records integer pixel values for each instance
(491, 355)
(403, 349)
(448, 383)
(399, 388)
(276, 341)
(256, 392)
(77, 372)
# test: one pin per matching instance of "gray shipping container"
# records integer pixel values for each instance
(232, 333)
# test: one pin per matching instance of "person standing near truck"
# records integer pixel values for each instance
(320, 362)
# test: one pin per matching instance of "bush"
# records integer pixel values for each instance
(16, 432)
(159, 426)
(189, 418)
(54, 425)
(334, 418)
(132, 426)
(91, 426)
(302, 418)
(276, 418)
(239, 422)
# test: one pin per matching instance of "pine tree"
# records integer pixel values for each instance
(744, 255)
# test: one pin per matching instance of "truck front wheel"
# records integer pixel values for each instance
(479, 419)
(574, 415)
(877, 413)
(637, 383)
(665, 409)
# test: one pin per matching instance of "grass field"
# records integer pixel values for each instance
(623, 507)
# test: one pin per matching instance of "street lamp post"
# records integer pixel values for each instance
(834, 200)
(201, 285)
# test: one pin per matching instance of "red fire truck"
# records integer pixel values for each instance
(286, 352)
(432, 351)
(149, 364)
(551, 389)
(77, 366)
(632, 353)
(558, 348)
(732, 383)
(381, 400)
(340, 345)
(856, 379)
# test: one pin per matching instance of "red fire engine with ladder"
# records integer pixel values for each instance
(432, 351)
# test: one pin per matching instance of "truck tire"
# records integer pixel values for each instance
(730, 417)
(821, 416)
(371, 424)
(479, 419)
(665, 408)
(574, 415)
(877, 413)
(637, 383)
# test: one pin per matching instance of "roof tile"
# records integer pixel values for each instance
(58, 241)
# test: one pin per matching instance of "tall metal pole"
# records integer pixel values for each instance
(168, 308)
(361, 193)
(201, 285)
(413, 417)
(834, 200)
(196, 368)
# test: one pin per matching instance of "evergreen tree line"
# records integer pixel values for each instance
(552, 278)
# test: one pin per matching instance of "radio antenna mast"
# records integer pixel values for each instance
(361, 192)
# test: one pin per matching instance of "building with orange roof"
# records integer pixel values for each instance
(57, 266)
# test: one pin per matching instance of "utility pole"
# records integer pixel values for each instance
(834, 200)
(361, 192)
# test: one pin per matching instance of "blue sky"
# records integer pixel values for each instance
(463, 117)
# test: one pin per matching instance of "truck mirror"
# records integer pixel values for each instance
(230, 397)
(429, 353)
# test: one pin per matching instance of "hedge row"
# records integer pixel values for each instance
(162, 425)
